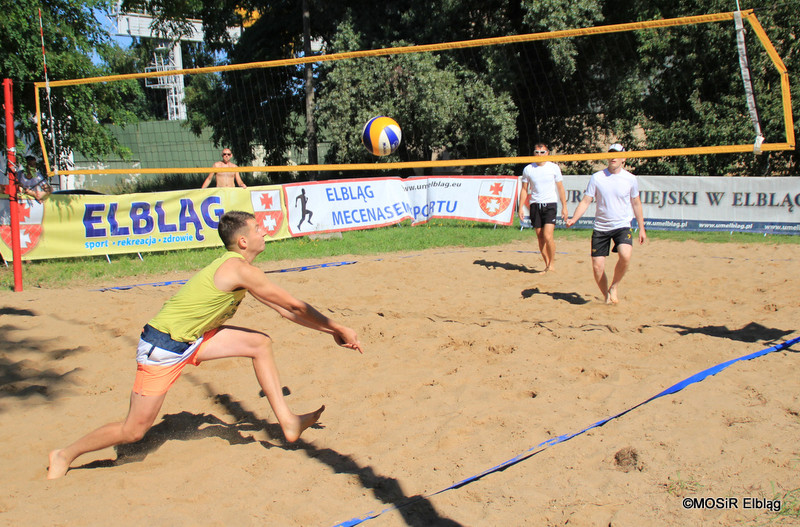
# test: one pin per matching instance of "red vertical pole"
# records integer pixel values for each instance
(11, 190)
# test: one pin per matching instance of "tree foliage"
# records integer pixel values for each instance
(650, 89)
(232, 103)
(75, 43)
(150, 104)
(702, 61)
(444, 110)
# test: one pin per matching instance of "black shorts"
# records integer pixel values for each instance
(543, 213)
(601, 241)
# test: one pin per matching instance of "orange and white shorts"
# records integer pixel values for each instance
(160, 360)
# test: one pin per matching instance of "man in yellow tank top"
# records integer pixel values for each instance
(191, 329)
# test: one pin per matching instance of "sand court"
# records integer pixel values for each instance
(472, 357)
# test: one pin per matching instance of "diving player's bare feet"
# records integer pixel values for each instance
(59, 465)
(293, 430)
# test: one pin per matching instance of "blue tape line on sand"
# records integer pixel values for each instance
(288, 270)
(307, 267)
(560, 439)
(153, 284)
(181, 282)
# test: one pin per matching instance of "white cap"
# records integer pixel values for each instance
(616, 147)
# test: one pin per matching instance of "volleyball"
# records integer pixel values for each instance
(381, 135)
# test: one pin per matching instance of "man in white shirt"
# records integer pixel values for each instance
(616, 192)
(542, 185)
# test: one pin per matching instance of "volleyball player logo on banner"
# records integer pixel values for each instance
(495, 196)
(267, 209)
(30, 223)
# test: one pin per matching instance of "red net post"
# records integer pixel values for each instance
(11, 190)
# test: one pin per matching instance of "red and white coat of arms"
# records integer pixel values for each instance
(30, 223)
(495, 196)
(267, 209)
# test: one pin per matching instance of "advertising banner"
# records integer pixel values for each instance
(341, 205)
(762, 205)
(68, 225)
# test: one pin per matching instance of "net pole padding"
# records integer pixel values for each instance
(556, 158)
(11, 164)
(786, 94)
(513, 39)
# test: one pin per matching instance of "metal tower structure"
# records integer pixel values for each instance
(168, 56)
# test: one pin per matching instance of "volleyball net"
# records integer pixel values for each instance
(468, 107)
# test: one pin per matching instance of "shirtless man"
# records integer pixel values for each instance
(225, 179)
(191, 328)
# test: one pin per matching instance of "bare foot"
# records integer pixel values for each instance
(58, 465)
(611, 296)
(549, 268)
(293, 430)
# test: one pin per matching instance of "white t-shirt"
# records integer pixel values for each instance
(542, 182)
(612, 194)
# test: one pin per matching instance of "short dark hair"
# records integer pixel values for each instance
(230, 224)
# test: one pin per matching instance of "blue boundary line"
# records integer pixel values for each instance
(308, 267)
(287, 270)
(698, 377)
(127, 287)
(181, 282)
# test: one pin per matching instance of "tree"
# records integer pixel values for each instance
(443, 111)
(73, 37)
(702, 61)
(428, 97)
(234, 103)
(412, 85)
(650, 89)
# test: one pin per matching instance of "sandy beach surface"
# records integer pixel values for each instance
(472, 357)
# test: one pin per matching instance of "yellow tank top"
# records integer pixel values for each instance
(199, 306)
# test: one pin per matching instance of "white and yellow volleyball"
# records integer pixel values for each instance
(381, 135)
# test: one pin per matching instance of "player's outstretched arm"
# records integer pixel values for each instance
(236, 273)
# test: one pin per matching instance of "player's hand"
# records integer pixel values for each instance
(570, 222)
(347, 338)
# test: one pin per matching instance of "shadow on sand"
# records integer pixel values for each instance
(752, 332)
(506, 265)
(572, 298)
(416, 511)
